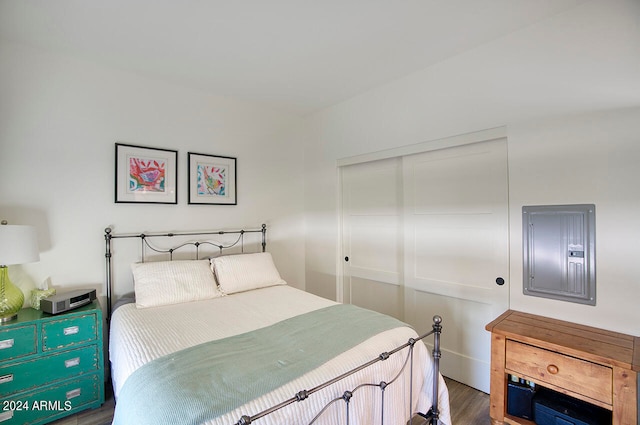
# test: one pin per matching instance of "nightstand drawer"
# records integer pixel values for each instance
(17, 342)
(68, 331)
(42, 406)
(29, 374)
(543, 366)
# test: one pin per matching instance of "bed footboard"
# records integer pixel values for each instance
(432, 416)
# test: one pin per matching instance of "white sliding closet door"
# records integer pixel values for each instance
(456, 250)
(372, 243)
(427, 234)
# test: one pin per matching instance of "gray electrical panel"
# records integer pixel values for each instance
(559, 252)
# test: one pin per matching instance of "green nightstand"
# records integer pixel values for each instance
(51, 366)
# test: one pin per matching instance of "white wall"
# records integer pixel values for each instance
(59, 120)
(592, 158)
(572, 81)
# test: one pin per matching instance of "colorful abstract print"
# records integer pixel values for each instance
(212, 180)
(146, 175)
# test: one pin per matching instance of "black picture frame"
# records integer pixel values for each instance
(212, 179)
(145, 175)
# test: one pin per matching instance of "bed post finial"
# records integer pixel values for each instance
(244, 420)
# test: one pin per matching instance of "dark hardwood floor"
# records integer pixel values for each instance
(468, 407)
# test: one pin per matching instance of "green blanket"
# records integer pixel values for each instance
(203, 382)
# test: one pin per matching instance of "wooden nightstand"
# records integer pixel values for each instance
(594, 365)
(51, 366)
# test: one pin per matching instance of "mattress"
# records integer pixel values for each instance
(138, 336)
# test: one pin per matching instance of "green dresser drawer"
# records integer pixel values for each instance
(17, 342)
(24, 375)
(52, 402)
(68, 331)
(50, 366)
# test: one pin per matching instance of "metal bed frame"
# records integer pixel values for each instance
(432, 417)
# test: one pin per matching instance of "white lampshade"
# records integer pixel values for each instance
(18, 244)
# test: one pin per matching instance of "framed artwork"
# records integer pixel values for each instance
(146, 175)
(212, 179)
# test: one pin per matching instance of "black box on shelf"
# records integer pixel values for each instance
(553, 408)
(520, 399)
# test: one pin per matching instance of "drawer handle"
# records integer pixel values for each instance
(552, 369)
(72, 362)
(73, 393)
(71, 330)
(7, 343)
(6, 378)
(5, 416)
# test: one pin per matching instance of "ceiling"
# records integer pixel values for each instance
(296, 55)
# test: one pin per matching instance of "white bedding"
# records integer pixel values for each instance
(138, 336)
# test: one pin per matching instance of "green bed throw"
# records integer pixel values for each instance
(203, 382)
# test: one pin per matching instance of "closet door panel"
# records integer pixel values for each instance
(456, 250)
(372, 243)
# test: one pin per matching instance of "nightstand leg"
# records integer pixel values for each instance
(498, 380)
(625, 402)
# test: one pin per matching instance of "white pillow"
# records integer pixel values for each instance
(172, 282)
(243, 272)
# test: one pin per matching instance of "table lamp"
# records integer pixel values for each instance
(18, 245)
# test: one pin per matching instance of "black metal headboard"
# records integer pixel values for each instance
(201, 239)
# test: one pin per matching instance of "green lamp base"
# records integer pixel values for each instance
(11, 297)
